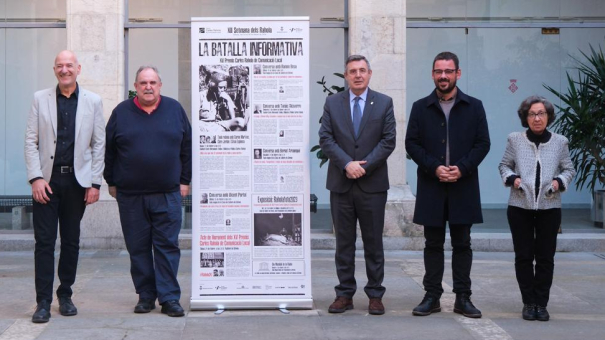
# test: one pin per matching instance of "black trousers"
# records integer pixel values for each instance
(66, 207)
(151, 225)
(368, 208)
(535, 239)
(462, 258)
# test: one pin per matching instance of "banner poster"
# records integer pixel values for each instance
(251, 245)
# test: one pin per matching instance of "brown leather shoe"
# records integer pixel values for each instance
(376, 307)
(340, 305)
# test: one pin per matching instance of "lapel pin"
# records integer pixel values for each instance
(371, 103)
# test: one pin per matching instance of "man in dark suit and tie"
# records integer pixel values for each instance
(358, 134)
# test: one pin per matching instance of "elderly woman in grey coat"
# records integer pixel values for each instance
(537, 167)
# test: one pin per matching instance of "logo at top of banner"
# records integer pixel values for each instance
(209, 30)
(289, 30)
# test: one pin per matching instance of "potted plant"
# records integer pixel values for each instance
(330, 90)
(582, 121)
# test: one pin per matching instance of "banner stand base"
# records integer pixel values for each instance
(225, 304)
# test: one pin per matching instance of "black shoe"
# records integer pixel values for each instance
(464, 306)
(172, 308)
(67, 307)
(542, 314)
(42, 313)
(430, 304)
(144, 305)
(529, 312)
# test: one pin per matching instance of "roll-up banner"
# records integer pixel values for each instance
(251, 245)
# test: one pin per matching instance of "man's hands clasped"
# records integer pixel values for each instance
(355, 170)
(448, 174)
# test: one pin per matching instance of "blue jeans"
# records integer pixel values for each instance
(151, 225)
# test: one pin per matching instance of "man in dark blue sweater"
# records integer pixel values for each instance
(148, 170)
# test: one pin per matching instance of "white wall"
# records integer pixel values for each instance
(490, 58)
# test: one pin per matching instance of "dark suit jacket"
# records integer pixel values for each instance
(469, 144)
(374, 144)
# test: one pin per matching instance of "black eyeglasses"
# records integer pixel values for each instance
(447, 72)
(539, 114)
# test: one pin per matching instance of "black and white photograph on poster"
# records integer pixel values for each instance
(277, 230)
(207, 139)
(258, 109)
(212, 260)
(224, 98)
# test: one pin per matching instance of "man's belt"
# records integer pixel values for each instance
(65, 169)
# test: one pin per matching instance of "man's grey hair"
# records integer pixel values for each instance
(145, 67)
(357, 57)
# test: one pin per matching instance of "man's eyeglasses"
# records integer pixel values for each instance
(448, 72)
(533, 115)
(222, 87)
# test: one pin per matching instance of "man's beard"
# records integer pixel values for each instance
(451, 86)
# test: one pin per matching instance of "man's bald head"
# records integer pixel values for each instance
(66, 70)
(67, 54)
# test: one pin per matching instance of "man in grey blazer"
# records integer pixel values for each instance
(64, 155)
(358, 134)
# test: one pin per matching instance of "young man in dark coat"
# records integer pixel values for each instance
(447, 136)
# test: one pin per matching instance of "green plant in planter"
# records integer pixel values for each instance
(582, 119)
(330, 90)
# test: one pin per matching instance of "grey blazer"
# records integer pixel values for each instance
(375, 142)
(520, 159)
(89, 144)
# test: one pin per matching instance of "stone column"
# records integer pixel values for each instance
(95, 32)
(377, 31)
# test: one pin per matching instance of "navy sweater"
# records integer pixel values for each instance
(148, 153)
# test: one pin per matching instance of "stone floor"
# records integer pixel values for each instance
(105, 298)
